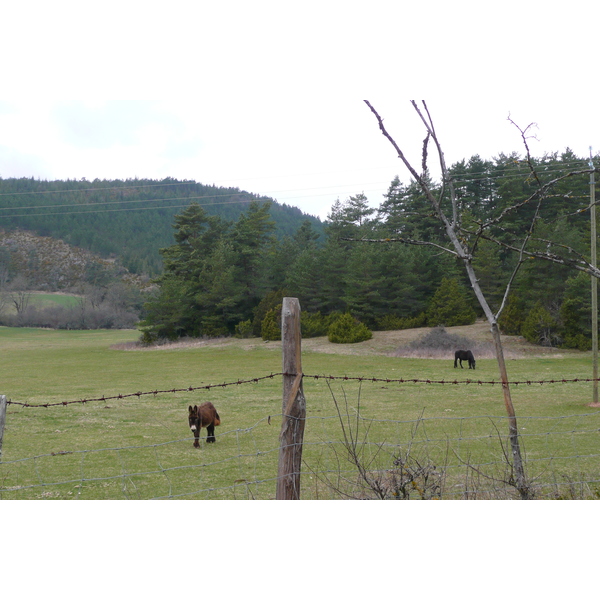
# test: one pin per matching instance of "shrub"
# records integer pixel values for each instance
(394, 323)
(577, 341)
(573, 321)
(539, 327)
(270, 329)
(348, 330)
(273, 299)
(316, 324)
(244, 329)
(511, 319)
(439, 339)
(213, 327)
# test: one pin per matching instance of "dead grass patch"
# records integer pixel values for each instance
(400, 343)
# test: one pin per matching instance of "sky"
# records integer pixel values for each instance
(269, 96)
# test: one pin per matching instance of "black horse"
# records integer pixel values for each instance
(461, 355)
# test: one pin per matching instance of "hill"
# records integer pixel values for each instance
(51, 264)
(125, 220)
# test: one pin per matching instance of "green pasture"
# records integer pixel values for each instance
(416, 439)
(42, 301)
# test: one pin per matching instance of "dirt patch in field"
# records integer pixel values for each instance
(383, 343)
(183, 344)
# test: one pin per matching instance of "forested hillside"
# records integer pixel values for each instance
(129, 220)
(221, 281)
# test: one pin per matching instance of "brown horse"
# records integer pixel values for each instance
(205, 415)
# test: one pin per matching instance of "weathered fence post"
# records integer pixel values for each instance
(2, 421)
(294, 404)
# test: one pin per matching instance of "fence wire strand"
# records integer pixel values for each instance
(359, 379)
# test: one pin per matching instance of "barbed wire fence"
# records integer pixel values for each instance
(346, 452)
(345, 455)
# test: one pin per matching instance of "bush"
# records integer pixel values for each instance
(244, 329)
(393, 323)
(348, 330)
(270, 329)
(316, 324)
(439, 339)
(213, 327)
(577, 341)
(540, 328)
(511, 319)
(75, 317)
(273, 299)
(574, 320)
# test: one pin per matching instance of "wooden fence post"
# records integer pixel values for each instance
(2, 421)
(294, 404)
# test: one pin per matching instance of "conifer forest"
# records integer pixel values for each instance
(218, 261)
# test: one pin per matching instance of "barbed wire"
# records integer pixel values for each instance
(445, 381)
(358, 379)
(104, 398)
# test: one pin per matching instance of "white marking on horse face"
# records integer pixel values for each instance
(193, 427)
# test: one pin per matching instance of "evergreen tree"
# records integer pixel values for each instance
(576, 313)
(408, 213)
(214, 274)
(251, 238)
(539, 327)
(450, 306)
(512, 317)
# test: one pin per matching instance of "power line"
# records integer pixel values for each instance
(243, 200)
(99, 187)
(464, 178)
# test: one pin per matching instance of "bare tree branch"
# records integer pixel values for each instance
(401, 240)
(459, 242)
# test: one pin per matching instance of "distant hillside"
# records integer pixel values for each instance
(51, 264)
(129, 220)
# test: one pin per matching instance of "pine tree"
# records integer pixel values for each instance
(450, 306)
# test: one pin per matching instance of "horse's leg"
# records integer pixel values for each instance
(197, 438)
(455, 362)
(210, 433)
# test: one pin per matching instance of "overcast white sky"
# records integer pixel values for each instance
(268, 96)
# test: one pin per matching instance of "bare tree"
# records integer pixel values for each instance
(548, 250)
(19, 294)
(4, 297)
(445, 206)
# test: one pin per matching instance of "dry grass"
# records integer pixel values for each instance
(182, 344)
(399, 343)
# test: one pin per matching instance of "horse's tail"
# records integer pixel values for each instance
(217, 419)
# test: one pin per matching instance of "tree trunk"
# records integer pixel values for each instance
(513, 432)
(520, 480)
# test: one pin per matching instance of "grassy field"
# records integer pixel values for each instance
(41, 300)
(412, 439)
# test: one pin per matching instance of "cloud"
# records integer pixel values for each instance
(112, 123)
